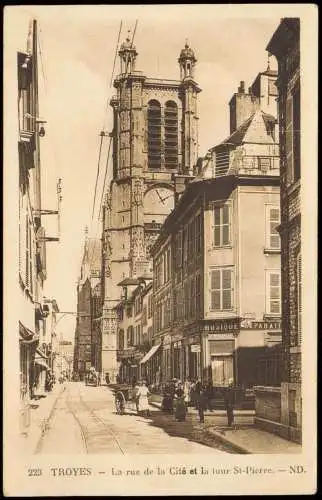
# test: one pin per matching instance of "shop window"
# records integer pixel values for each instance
(222, 370)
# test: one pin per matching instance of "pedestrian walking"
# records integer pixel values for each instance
(136, 396)
(107, 379)
(201, 401)
(209, 395)
(229, 402)
(167, 400)
(187, 392)
(143, 394)
(180, 405)
(193, 394)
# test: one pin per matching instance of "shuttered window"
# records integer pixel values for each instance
(273, 293)
(221, 289)
(289, 139)
(192, 297)
(299, 298)
(222, 225)
(198, 234)
(27, 254)
(297, 133)
(272, 221)
(121, 339)
(198, 295)
(179, 250)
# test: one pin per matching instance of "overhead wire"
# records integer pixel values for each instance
(108, 153)
(109, 147)
(102, 134)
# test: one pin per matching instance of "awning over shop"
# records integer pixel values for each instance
(41, 362)
(41, 359)
(149, 354)
(25, 333)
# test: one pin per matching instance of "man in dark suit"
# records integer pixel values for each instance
(229, 402)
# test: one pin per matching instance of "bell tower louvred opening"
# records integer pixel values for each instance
(171, 135)
(154, 135)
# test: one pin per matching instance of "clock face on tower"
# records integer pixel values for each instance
(158, 203)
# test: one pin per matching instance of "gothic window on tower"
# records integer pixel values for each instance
(154, 135)
(171, 134)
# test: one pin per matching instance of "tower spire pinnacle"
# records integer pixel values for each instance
(187, 61)
(127, 55)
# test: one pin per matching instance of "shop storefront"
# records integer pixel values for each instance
(218, 349)
(150, 365)
(41, 367)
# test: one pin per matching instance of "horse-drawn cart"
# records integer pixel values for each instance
(125, 399)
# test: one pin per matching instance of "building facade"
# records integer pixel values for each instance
(87, 350)
(216, 262)
(135, 328)
(285, 46)
(32, 238)
(154, 138)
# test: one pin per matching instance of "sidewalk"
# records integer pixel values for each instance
(252, 440)
(40, 414)
(216, 413)
(243, 437)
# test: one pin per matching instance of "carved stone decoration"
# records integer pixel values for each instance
(137, 243)
(108, 273)
(138, 189)
(166, 92)
(149, 240)
(108, 198)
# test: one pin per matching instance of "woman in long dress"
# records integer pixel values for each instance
(143, 393)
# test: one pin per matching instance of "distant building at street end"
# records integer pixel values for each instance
(64, 358)
(87, 346)
(287, 419)
(216, 263)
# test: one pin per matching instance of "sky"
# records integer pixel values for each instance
(77, 52)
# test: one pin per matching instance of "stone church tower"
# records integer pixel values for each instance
(155, 141)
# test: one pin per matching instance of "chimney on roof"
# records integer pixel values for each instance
(241, 88)
(241, 106)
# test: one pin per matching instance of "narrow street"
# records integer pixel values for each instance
(85, 416)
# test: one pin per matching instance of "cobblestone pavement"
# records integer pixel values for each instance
(84, 421)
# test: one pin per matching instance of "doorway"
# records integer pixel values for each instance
(222, 370)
